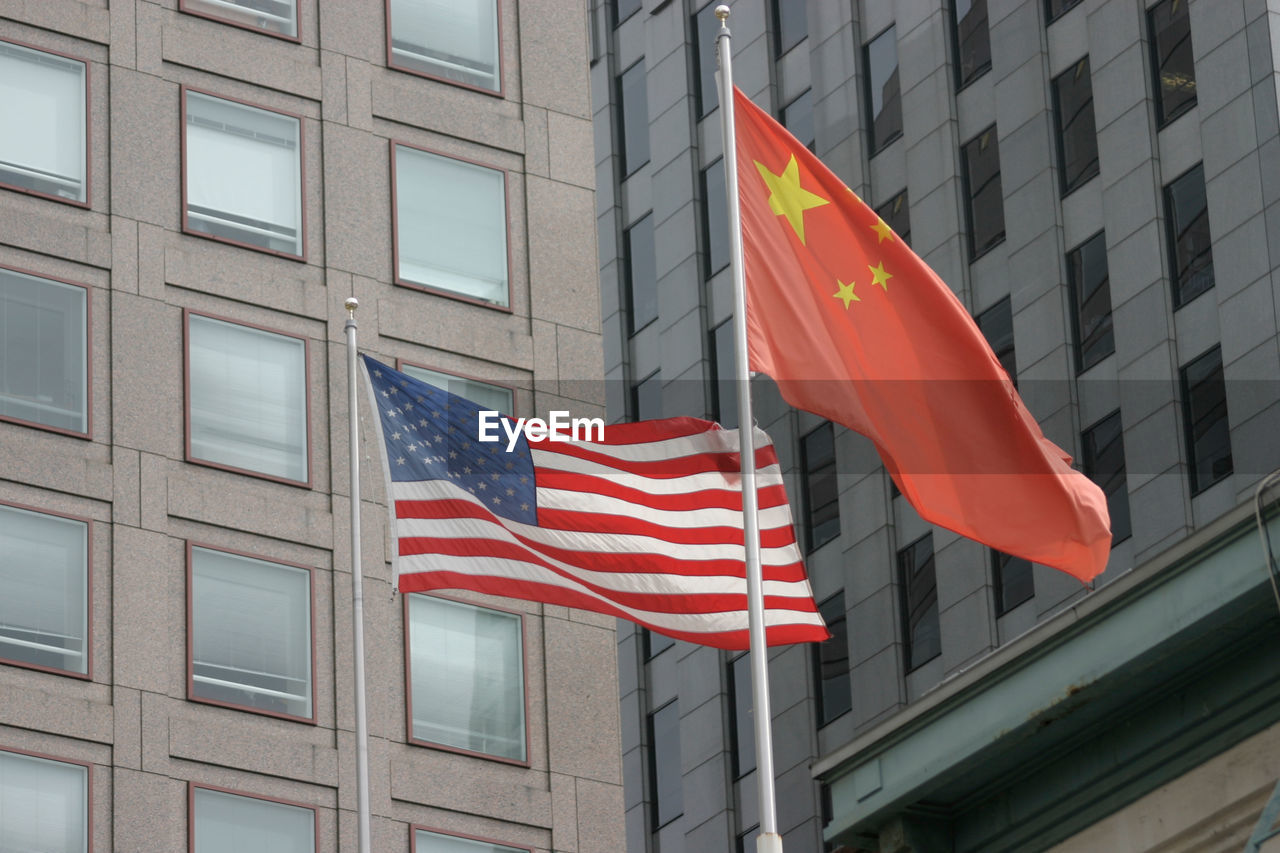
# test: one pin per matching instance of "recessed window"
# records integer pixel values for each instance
(742, 727)
(1073, 120)
(633, 117)
(653, 644)
(450, 40)
(623, 9)
(724, 373)
(426, 841)
(896, 213)
(44, 369)
(821, 494)
(1204, 412)
(466, 673)
(972, 40)
(797, 117)
(274, 17)
(461, 247)
(1090, 287)
(705, 27)
(1172, 61)
(831, 663)
(984, 195)
(666, 791)
(247, 399)
(715, 218)
(883, 96)
(486, 395)
(996, 325)
(42, 138)
(44, 804)
(1103, 462)
(646, 398)
(250, 633)
(921, 628)
(243, 174)
(1055, 9)
(790, 23)
(226, 822)
(1190, 243)
(1014, 581)
(641, 273)
(44, 590)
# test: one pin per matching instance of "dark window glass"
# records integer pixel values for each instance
(623, 9)
(996, 325)
(797, 117)
(897, 215)
(715, 219)
(642, 274)
(972, 41)
(1090, 287)
(1103, 463)
(789, 23)
(1191, 247)
(653, 644)
(1014, 581)
(1175, 83)
(923, 638)
(742, 726)
(1073, 120)
(633, 113)
(1057, 8)
(821, 499)
(1204, 408)
(831, 663)
(883, 97)
(726, 396)
(705, 27)
(665, 793)
(646, 398)
(985, 208)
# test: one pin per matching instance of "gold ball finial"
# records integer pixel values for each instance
(351, 304)
(722, 12)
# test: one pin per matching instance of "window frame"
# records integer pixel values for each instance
(628, 276)
(982, 317)
(188, 455)
(807, 500)
(701, 54)
(998, 567)
(1171, 238)
(652, 797)
(775, 19)
(709, 269)
(1124, 484)
(402, 363)
(737, 724)
(1163, 118)
(618, 19)
(821, 717)
(974, 252)
(88, 130)
(1091, 171)
(633, 396)
(874, 145)
(193, 786)
(788, 107)
(88, 358)
(620, 112)
(1050, 17)
(721, 385)
(910, 665)
(185, 7)
(415, 828)
(647, 644)
(88, 783)
(500, 72)
(1075, 297)
(191, 545)
(1188, 424)
(888, 205)
(957, 63)
(400, 281)
(410, 738)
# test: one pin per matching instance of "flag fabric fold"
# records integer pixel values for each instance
(853, 326)
(645, 524)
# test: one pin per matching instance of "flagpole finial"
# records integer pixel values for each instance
(722, 12)
(351, 305)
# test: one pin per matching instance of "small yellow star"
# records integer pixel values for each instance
(882, 230)
(879, 276)
(786, 196)
(845, 293)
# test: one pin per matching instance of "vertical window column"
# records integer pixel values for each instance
(1073, 121)
(1172, 62)
(831, 663)
(1187, 230)
(922, 631)
(1090, 286)
(972, 40)
(1103, 462)
(984, 196)
(820, 486)
(633, 118)
(1204, 412)
(666, 791)
(883, 95)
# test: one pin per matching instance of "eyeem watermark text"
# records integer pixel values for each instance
(560, 427)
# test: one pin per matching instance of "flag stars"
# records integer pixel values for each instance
(524, 507)
(880, 277)
(395, 436)
(845, 293)
(786, 196)
(400, 461)
(883, 231)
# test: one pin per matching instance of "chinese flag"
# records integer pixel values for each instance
(856, 328)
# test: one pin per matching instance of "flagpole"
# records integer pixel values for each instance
(357, 590)
(768, 841)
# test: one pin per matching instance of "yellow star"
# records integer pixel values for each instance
(879, 276)
(882, 230)
(786, 196)
(846, 293)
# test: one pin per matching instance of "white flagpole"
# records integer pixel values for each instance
(357, 590)
(769, 841)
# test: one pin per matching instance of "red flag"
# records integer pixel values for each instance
(856, 328)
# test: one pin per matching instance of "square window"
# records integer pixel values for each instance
(427, 841)
(229, 822)
(996, 325)
(466, 675)
(273, 17)
(1190, 243)
(486, 395)
(896, 213)
(742, 729)
(446, 39)
(44, 804)
(724, 367)
(705, 28)
(646, 398)
(459, 248)
(983, 194)
(797, 117)
(1204, 414)
(831, 663)
(44, 339)
(250, 633)
(1014, 581)
(633, 118)
(790, 23)
(921, 628)
(821, 496)
(1103, 462)
(715, 218)
(666, 790)
(1073, 121)
(1174, 67)
(883, 95)
(242, 174)
(43, 142)
(44, 590)
(972, 40)
(641, 273)
(1090, 286)
(247, 406)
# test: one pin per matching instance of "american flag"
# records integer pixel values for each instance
(645, 525)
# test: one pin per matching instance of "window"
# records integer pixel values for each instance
(797, 117)
(250, 633)
(790, 24)
(821, 497)
(1073, 121)
(831, 663)
(1204, 414)
(896, 213)
(446, 39)
(996, 325)
(653, 644)
(1090, 287)
(243, 174)
(486, 395)
(1103, 461)
(641, 274)
(466, 673)
(883, 96)
(274, 17)
(633, 117)
(1014, 581)
(923, 633)
(646, 398)
(972, 41)
(44, 337)
(247, 405)
(44, 590)
(742, 727)
(983, 193)
(666, 795)
(44, 804)
(1055, 9)
(1172, 62)
(715, 219)
(1190, 244)
(623, 9)
(229, 822)
(43, 140)
(426, 841)
(705, 27)
(724, 369)
(459, 248)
